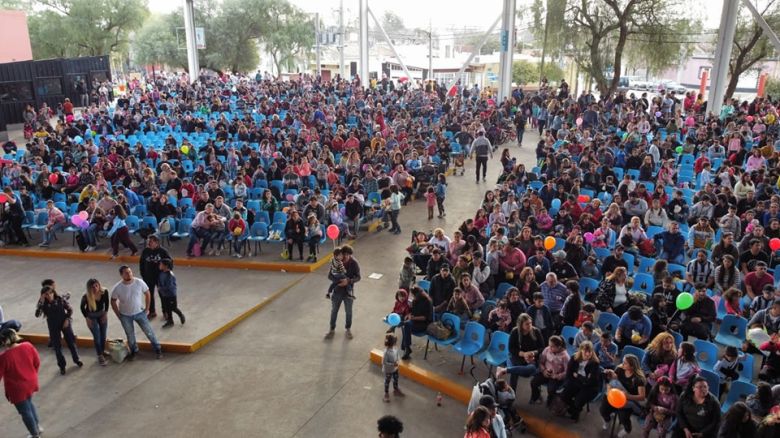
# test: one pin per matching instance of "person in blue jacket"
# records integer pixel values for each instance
(633, 321)
(670, 244)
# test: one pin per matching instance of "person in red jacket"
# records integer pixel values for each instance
(19, 364)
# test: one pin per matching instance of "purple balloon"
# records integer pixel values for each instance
(84, 225)
(76, 220)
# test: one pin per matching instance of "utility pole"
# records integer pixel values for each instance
(317, 35)
(192, 46)
(341, 39)
(544, 48)
(430, 52)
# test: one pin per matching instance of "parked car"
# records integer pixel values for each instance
(672, 86)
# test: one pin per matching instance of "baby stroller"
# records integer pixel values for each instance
(458, 159)
(512, 419)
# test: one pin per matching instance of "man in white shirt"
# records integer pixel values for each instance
(130, 300)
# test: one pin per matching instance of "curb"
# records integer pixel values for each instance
(177, 347)
(544, 428)
(304, 268)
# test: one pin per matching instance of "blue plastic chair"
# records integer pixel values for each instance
(706, 354)
(424, 285)
(148, 222)
(242, 239)
(471, 343)
(608, 322)
(674, 268)
(502, 289)
(262, 216)
(588, 285)
(276, 228)
(497, 352)
(678, 338)
(630, 261)
(738, 392)
(280, 217)
(453, 322)
(645, 265)
(373, 198)
(568, 334)
(133, 223)
(732, 331)
(636, 351)
(601, 253)
(721, 310)
(183, 230)
(644, 283)
(166, 237)
(713, 380)
(257, 234)
(746, 368)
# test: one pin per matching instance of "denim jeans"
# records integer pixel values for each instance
(394, 220)
(680, 259)
(99, 329)
(336, 299)
(199, 233)
(516, 371)
(29, 415)
(146, 327)
(90, 235)
(56, 343)
(48, 236)
(12, 324)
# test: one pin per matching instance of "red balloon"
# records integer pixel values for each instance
(332, 231)
(583, 198)
(53, 178)
(3, 198)
(774, 244)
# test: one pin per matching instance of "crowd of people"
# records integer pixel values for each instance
(643, 239)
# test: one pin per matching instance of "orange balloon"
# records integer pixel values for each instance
(549, 242)
(616, 398)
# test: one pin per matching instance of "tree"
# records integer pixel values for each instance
(606, 26)
(656, 49)
(392, 23)
(290, 33)
(155, 43)
(772, 88)
(750, 44)
(524, 72)
(84, 27)
(492, 44)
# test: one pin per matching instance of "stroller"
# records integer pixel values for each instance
(458, 158)
(512, 419)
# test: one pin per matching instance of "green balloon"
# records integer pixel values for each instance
(679, 149)
(684, 301)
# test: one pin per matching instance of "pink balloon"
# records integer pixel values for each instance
(84, 215)
(579, 121)
(332, 231)
(588, 237)
(76, 220)
(290, 197)
(749, 118)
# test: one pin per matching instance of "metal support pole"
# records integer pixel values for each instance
(341, 38)
(474, 53)
(317, 35)
(507, 49)
(364, 43)
(192, 47)
(430, 51)
(390, 43)
(720, 65)
(764, 25)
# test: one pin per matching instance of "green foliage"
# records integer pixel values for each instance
(290, 32)
(492, 44)
(659, 47)
(155, 43)
(751, 46)
(83, 27)
(772, 88)
(392, 23)
(524, 72)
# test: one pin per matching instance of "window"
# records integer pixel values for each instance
(49, 86)
(15, 91)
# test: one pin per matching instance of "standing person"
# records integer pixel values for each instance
(441, 193)
(168, 291)
(149, 263)
(94, 307)
(389, 427)
(698, 413)
(19, 364)
(390, 367)
(481, 148)
(130, 301)
(119, 233)
(342, 292)
(58, 313)
(395, 200)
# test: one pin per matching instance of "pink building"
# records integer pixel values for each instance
(689, 74)
(13, 30)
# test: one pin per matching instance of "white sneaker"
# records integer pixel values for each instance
(607, 423)
(622, 433)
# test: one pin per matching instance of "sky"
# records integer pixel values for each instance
(440, 14)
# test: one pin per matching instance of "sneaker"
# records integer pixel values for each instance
(182, 318)
(386, 398)
(623, 433)
(62, 371)
(102, 361)
(152, 315)
(607, 423)
(398, 393)
(131, 356)
(159, 355)
(168, 323)
(79, 363)
(330, 334)
(43, 245)
(349, 334)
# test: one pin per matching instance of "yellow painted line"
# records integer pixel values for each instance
(235, 321)
(541, 427)
(172, 347)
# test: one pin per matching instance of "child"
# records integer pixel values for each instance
(401, 307)
(166, 286)
(586, 315)
(390, 367)
(731, 300)
(728, 367)
(430, 201)
(313, 236)
(541, 316)
(441, 193)
(407, 277)
(763, 301)
(586, 334)
(236, 226)
(771, 368)
(590, 268)
(661, 406)
(505, 396)
(607, 351)
(337, 270)
(552, 370)
(500, 318)
(684, 367)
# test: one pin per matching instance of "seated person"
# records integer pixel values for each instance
(697, 320)
(607, 351)
(634, 328)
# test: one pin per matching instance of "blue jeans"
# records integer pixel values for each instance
(12, 324)
(680, 259)
(146, 327)
(99, 328)
(198, 233)
(336, 299)
(29, 415)
(90, 235)
(516, 371)
(48, 236)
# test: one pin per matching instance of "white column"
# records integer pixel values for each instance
(192, 49)
(363, 67)
(341, 38)
(507, 49)
(720, 65)
(318, 70)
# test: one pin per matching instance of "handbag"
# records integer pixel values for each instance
(118, 350)
(439, 330)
